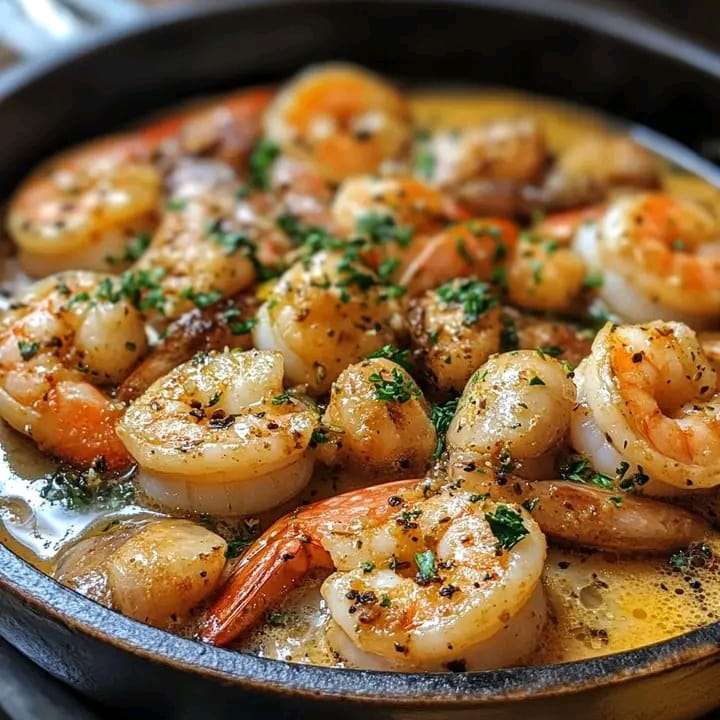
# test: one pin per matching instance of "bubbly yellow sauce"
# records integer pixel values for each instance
(599, 603)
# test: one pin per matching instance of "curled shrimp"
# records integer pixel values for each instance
(454, 329)
(83, 208)
(378, 421)
(486, 167)
(225, 128)
(201, 251)
(592, 169)
(515, 412)
(65, 336)
(585, 515)
(648, 404)
(322, 315)
(218, 435)
(477, 247)
(342, 118)
(431, 586)
(660, 257)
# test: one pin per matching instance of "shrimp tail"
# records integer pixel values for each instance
(286, 552)
(261, 579)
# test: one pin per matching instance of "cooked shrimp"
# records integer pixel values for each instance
(454, 330)
(485, 167)
(164, 570)
(377, 420)
(710, 342)
(65, 335)
(224, 324)
(660, 258)
(515, 412)
(226, 128)
(592, 517)
(218, 435)
(477, 247)
(345, 119)
(201, 251)
(408, 202)
(83, 209)
(593, 169)
(648, 399)
(435, 583)
(322, 315)
(544, 276)
(557, 338)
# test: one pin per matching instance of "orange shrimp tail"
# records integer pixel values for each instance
(259, 581)
(285, 553)
(78, 425)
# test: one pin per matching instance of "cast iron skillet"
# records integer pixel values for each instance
(588, 55)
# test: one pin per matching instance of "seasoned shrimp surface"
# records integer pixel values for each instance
(461, 591)
(378, 421)
(201, 251)
(660, 258)
(454, 330)
(648, 398)
(84, 208)
(324, 314)
(218, 435)
(543, 276)
(485, 167)
(345, 119)
(478, 247)
(66, 335)
(164, 570)
(515, 410)
(586, 515)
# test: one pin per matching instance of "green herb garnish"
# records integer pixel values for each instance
(507, 526)
(474, 296)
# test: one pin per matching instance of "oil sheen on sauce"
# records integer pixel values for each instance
(600, 603)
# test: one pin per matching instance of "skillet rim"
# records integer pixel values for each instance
(62, 605)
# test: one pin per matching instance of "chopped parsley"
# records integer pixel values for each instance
(133, 250)
(551, 350)
(78, 490)
(176, 204)
(474, 296)
(28, 349)
(507, 526)
(577, 469)
(397, 388)
(233, 318)
(427, 567)
(381, 229)
(202, 299)
(593, 281)
(278, 618)
(697, 555)
(368, 566)
(441, 416)
(424, 163)
(509, 339)
(535, 380)
(261, 160)
(319, 437)
(390, 352)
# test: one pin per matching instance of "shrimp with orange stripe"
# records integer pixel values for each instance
(66, 339)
